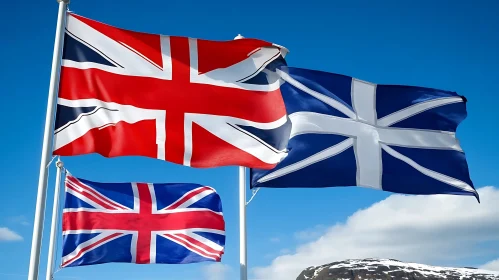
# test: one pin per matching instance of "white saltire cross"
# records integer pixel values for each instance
(369, 135)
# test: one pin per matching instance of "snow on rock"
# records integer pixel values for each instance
(389, 269)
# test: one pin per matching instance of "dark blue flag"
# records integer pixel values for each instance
(348, 132)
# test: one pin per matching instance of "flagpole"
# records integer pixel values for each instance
(55, 218)
(242, 224)
(41, 197)
(242, 217)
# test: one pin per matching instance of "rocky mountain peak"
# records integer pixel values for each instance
(390, 269)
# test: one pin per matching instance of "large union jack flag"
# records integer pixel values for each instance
(349, 132)
(189, 101)
(140, 223)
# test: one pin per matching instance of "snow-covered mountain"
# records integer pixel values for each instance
(384, 269)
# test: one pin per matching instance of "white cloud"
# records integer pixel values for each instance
(275, 239)
(492, 265)
(8, 235)
(425, 229)
(216, 271)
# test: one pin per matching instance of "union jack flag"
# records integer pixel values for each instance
(194, 102)
(140, 223)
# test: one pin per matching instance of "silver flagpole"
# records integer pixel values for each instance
(41, 198)
(55, 218)
(242, 224)
(243, 255)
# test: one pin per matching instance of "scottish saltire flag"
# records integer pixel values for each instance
(140, 223)
(193, 102)
(348, 132)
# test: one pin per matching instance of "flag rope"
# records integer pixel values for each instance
(253, 194)
(50, 162)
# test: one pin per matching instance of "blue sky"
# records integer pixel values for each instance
(444, 44)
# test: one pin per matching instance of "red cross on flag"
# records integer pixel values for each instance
(140, 223)
(193, 102)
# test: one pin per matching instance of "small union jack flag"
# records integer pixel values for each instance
(140, 223)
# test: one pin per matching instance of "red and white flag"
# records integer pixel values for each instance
(193, 102)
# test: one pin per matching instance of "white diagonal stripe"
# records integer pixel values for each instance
(222, 127)
(245, 69)
(205, 241)
(322, 155)
(82, 246)
(416, 109)
(108, 113)
(79, 185)
(195, 198)
(87, 193)
(430, 173)
(326, 99)
(86, 200)
(132, 63)
(196, 249)
(234, 75)
(184, 205)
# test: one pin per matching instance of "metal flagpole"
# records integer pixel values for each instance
(242, 224)
(53, 228)
(242, 217)
(41, 198)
